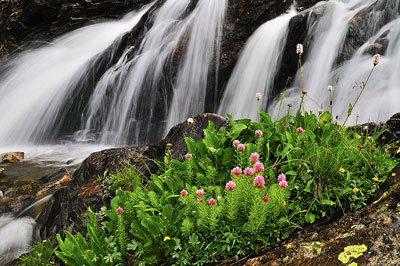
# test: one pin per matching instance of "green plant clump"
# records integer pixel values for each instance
(241, 188)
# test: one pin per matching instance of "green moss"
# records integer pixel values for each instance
(352, 252)
(317, 246)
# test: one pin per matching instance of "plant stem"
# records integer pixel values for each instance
(359, 95)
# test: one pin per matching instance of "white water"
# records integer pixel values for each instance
(378, 101)
(121, 114)
(204, 43)
(39, 82)
(256, 69)
(16, 233)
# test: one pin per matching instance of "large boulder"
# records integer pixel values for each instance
(12, 157)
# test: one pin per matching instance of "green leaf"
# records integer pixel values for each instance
(227, 156)
(310, 218)
(326, 116)
(327, 202)
(236, 130)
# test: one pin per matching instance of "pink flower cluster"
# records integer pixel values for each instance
(258, 167)
(230, 185)
(184, 193)
(283, 184)
(212, 201)
(265, 198)
(254, 157)
(281, 177)
(299, 49)
(119, 210)
(300, 130)
(259, 181)
(377, 57)
(199, 192)
(241, 147)
(188, 155)
(236, 143)
(249, 171)
(259, 133)
(236, 171)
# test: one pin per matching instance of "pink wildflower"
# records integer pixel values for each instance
(236, 171)
(300, 130)
(259, 133)
(188, 155)
(241, 147)
(259, 181)
(265, 198)
(184, 192)
(249, 171)
(283, 184)
(212, 201)
(254, 157)
(258, 167)
(281, 177)
(320, 111)
(376, 59)
(230, 185)
(199, 192)
(236, 143)
(201, 200)
(119, 210)
(299, 49)
(381, 123)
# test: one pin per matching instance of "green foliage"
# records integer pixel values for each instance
(42, 253)
(329, 169)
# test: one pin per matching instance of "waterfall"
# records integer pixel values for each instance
(17, 232)
(327, 35)
(37, 84)
(203, 49)
(256, 69)
(130, 101)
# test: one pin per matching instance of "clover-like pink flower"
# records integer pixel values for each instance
(236, 143)
(236, 171)
(259, 133)
(188, 155)
(230, 185)
(259, 181)
(299, 130)
(249, 171)
(377, 57)
(254, 157)
(381, 123)
(258, 167)
(241, 147)
(119, 210)
(199, 192)
(212, 201)
(283, 184)
(184, 192)
(201, 200)
(299, 49)
(281, 177)
(265, 199)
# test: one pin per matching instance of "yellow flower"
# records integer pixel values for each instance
(393, 174)
(355, 190)
(375, 179)
(167, 238)
(341, 170)
(358, 137)
(398, 151)
(284, 203)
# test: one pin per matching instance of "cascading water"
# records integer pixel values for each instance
(38, 83)
(17, 232)
(256, 69)
(190, 89)
(132, 113)
(327, 35)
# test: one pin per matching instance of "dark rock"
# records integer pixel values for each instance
(366, 24)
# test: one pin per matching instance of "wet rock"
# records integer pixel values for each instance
(12, 157)
(366, 24)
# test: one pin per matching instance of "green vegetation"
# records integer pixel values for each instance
(241, 188)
